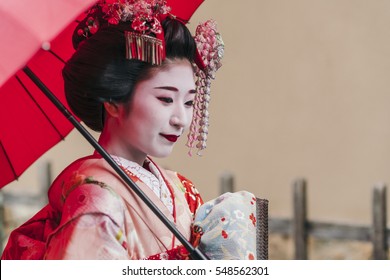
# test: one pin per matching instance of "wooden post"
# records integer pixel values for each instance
(262, 229)
(379, 236)
(45, 177)
(227, 183)
(299, 219)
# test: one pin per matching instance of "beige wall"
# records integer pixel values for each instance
(304, 91)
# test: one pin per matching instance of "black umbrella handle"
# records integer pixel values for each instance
(195, 253)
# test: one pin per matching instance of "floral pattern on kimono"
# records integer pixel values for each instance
(93, 215)
(227, 226)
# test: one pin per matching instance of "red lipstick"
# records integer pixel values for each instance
(171, 138)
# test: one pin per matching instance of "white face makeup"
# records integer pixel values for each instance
(159, 112)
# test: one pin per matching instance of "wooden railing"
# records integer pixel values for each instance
(299, 228)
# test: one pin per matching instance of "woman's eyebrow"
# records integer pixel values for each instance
(174, 89)
(167, 88)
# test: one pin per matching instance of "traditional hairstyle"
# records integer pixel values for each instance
(99, 70)
(117, 45)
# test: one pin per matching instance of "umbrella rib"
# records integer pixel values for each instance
(8, 159)
(40, 108)
(57, 56)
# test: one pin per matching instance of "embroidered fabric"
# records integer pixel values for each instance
(92, 215)
(177, 253)
(152, 178)
(228, 227)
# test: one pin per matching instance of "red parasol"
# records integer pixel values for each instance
(30, 122)
(184, 12)
(26, 25)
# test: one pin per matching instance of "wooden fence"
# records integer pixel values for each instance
(300, 228)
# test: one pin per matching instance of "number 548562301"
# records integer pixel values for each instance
(236, 270)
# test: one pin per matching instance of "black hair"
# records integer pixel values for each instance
(99, 71)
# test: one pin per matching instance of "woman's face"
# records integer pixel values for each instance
(158, 113)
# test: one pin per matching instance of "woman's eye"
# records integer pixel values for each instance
(165, 99)
(190, 103)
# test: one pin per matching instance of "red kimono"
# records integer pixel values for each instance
(92, 214)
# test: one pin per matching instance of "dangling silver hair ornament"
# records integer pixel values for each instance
(210, 49)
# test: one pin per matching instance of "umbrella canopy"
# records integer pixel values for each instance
(29, 123)
(26, 25)
(186, 11)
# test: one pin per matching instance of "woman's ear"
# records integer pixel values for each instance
(112, 109)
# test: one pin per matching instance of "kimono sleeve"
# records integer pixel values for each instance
(228, 226)
(191, 194)
(92, 226)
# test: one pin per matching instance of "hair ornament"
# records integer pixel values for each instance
(210, 49)
(143, 14)
(92, 26)
(144, 17)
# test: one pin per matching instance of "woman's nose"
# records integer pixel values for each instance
(179, 117)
